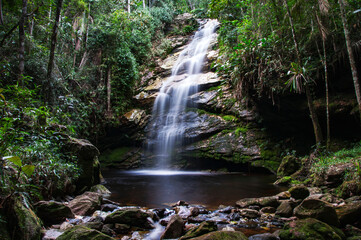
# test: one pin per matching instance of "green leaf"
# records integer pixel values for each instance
(14, 159)
(28, 169)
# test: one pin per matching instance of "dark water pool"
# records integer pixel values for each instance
(155, 189)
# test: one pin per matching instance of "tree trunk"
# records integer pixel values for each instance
(129, 6)
(350, 55)
(314, 118)
(109, 90)
(1, 14)
(22, 41)
(52, 49)
(327, 94)
(143, 4)
(316, 125)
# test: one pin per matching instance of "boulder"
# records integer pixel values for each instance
(289, 165)
(349, 213)
(174, 229)
(132, 217)
(86, 204)
(264, 236)
(249, 213)
(299, 192)
(93, 225)
(87, 158)
(83, 233)
(222, 235)
(335, 174)
(262, 202)
(268, 210)
(52, 212)
(313, 208)
(285, 209)
(100, 189)
(310, 228)
(24, 222)
(203, 228)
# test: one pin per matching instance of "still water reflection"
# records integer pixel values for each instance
(157, 188)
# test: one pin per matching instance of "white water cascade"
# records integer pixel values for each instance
(168, 118)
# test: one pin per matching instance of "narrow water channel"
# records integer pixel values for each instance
(155, 189)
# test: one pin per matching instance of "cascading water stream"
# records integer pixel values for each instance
(168, 118)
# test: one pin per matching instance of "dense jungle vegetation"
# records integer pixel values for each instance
(71, 67)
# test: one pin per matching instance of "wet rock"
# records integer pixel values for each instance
(203, 228)
(350, 188)
(284, 195)
(195, 211)
(289, 165)
(108, 229)
(81, 232)
(121, 228)
(85, 204)
(132, 217)
(249, 213)
(299, 192)
(174, 228)
(208, 80)
(66, 226)
(262, 202)
(101, 189)
(51, 212)
(310, 228)
(50, 234)
(93, 225)
(264, 236)
(349, 213)
(318, 209)
(224, 235)
(285, 209)
(352, 231)
(108, 207)
(180, 203)
(87, 158)
(268, 210)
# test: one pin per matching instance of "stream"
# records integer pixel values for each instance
(156, 189)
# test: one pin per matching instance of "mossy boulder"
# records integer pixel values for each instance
(24, 222)
(321, 210)
(83, 233)
(87, 158)
(132, 217)
(52, 212)
(310, 229)
(289, 165)
(299, 192)
(222, 235)
(349, 213)
(203, 228)
(350, 188)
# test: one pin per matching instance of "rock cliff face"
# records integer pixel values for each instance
(219, 130)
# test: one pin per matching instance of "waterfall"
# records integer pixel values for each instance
(168, 116)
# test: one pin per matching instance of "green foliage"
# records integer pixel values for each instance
(230, 118)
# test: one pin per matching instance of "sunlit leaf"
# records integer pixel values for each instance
(15, 160)
(28, 169)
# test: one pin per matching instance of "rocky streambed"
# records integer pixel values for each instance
(299, 213)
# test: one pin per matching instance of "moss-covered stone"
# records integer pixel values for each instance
(83, 233)
(52, 212)
(289, 165)
(203, 228)
(310, 229)
(314, 208)
(299, 192)
(222, 235)
(262, 202)
(349, 213)
(132, 217)
(25, 223)
(100, 189)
